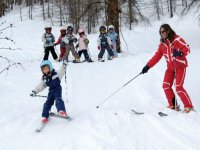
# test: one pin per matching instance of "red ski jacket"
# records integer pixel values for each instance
(167, 48)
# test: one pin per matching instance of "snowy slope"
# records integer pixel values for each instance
(112, 126)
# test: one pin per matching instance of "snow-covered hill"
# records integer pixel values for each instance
(113, 126)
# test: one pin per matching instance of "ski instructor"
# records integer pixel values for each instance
(175, 50)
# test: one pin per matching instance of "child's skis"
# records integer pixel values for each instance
(52, 114)
(41, 127)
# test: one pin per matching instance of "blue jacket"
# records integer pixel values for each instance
(53, 82)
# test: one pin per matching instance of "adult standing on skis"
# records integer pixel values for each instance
(48, 39)
(175, 50)
(114, 39)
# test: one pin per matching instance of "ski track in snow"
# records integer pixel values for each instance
(113, 126)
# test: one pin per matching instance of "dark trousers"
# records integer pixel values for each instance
(102, 51)
(46, 53)
(49, 103)
(85, 52)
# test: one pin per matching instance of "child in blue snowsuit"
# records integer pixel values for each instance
(52, 79)
(104, 43)
(114, 38)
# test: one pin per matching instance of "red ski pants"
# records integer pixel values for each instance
(170, 75)
(62, 52)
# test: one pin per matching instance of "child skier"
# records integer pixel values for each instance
(114, 38)
(83, 45)
(62, 40)
(51, 79)
(70, 45)
(48, 39)
(104, 43)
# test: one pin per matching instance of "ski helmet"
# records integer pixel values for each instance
(81, 30)
(70, 28)
(63, 28)
(48, 26)
(102, 28)
(47, 63)
(111, 27)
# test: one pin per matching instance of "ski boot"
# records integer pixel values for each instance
(63, 113)
(176, 108)
(77, 60)
(187, 109)
(44, 120)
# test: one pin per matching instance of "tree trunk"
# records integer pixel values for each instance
(113, 16)
(171, 8)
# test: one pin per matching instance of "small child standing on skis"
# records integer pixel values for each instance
(83, 45)
(62, 40)
(104, 43)
(48, 39)
(51, 79)
(70, 45)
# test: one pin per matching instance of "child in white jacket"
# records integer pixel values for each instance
(83, 45)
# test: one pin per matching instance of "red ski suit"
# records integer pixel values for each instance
(176, 68)
(62, 46)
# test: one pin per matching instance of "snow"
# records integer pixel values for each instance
(113, 126)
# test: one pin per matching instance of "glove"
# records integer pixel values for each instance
(177, 53)
(71, 41)
(111, 46)
(33, 94)
(75, 40)
(99, 47)
(77, 45)
(145, 69)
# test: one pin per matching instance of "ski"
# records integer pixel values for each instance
(52, 114)
(161, 114)
(41, 127)
(137, 113)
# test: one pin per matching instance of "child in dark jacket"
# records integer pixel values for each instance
(104, 43)
(51, 79)
(48, 39)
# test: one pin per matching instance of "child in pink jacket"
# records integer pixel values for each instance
(83, 45)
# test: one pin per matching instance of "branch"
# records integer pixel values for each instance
(6, 38)
(10, 64)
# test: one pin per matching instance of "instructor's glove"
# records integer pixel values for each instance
(33, 94)
(177, 53)
(145, 69)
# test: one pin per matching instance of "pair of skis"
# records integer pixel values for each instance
(52, 114)
(161, 114)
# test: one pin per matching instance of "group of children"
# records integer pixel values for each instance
(52, 78)
(68, 42)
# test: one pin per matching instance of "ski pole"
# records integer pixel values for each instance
(66, 80)
(41, 96)
(106, 99)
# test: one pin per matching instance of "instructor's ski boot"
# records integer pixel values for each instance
(187, 109)
(176, 108)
